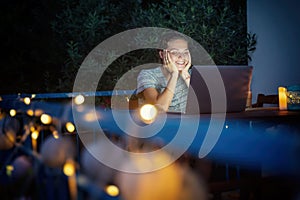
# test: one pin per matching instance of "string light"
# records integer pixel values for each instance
(46, 119)
(70, 127)
(38, 112)
(12, 112)
(32, 128)
(9, 169)
(35, 134)
(69, 170)
(30, 112)
(112, 190)
(69, 167)
(79, 99)
(27, 100)
(55, 134)
(148, 113)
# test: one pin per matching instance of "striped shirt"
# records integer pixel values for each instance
(154, 78)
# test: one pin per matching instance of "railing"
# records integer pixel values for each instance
(244, 141)
(67, 95)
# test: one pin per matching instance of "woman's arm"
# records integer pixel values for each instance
(163, 99)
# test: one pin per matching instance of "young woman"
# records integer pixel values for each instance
(167, 85)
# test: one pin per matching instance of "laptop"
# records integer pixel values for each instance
(218, 89)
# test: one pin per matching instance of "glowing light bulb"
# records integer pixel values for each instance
(30, 112)
(46, 119)
(32, 128)
(91, 116)
(9, 169)
(38, 112)
(12, 112)
(69, 168)
(35, 134)
(79, 99)
(33, 96)
(70, 127)
(148, 113)
(112, 190)
(55, 134)
(27, 100)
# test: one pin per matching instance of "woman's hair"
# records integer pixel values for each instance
(170, 36)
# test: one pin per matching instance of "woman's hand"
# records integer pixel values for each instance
(185, 72)
(187, 67)
(168, 63)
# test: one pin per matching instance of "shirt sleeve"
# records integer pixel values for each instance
(145, 80)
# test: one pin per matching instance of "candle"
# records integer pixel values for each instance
(249, 99)
(282, 98)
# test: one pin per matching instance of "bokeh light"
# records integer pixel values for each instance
(79, 99)
(91, 116)
(38, 112)
(55, 152)
(55, 134)
(30, 112)
(27, 100)
(70, 127)
(69, 168)
(32, 128)
(9, 169)
(35, 134)
(12, 112)
(148, 113)
(112, 190)
(46, 119)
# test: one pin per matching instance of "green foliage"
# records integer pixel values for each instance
(82, 24)
(79, 27)
(220, 29)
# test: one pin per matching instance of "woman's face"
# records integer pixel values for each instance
(179, 53)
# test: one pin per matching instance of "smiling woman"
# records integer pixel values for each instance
(167, 85)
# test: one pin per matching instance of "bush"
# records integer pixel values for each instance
(218, 26)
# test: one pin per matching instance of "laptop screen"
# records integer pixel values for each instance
(218, 89)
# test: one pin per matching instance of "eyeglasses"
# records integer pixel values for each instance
(177, 53)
